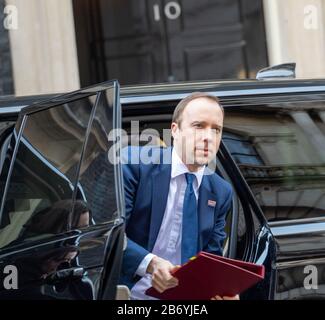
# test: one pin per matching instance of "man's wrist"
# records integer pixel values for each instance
(142, 268)
(152, 264)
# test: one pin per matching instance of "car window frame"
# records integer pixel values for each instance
(57, 101)
(118, 174)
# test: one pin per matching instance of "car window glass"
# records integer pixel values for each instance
(280, 149)
(97, 178)
(39, 197)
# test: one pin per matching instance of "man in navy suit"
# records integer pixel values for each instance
(175, 205)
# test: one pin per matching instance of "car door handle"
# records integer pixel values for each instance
(71, 273)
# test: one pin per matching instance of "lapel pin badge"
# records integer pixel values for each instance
(212, 203)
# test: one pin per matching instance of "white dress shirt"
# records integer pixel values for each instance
(168, 242)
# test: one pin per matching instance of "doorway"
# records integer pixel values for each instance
(152, 41)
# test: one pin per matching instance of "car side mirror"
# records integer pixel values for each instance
(278, 72)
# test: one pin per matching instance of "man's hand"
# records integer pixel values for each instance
(236, 297)
(161, 277)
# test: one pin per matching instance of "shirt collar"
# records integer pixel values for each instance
(179, 168)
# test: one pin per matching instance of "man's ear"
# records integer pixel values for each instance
(174, 129)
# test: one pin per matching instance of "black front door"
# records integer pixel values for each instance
(148, 41)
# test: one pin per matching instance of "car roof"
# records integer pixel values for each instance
(134, 94)
(222, 89)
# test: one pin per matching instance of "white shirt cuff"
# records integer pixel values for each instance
(142, 268)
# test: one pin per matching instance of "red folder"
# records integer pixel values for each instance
(207, 275)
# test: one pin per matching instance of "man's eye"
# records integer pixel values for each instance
(217, 130)
(197, 125)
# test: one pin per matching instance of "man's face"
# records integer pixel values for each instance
(198, 136)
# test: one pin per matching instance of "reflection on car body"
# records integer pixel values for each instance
(53, 228)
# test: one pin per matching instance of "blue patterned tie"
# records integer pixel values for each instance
(190, 221)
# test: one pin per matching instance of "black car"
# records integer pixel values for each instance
(272, 153)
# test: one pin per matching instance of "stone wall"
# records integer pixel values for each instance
(43, 47)
(6, 77)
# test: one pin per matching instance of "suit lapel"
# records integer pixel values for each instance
(160, 189)
(205, 211)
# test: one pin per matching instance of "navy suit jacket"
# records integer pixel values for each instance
(146, 190)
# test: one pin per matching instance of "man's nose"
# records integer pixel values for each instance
(208, 134)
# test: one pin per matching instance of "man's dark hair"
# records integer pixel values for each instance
(177, 115)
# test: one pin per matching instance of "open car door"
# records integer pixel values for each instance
(61, 195)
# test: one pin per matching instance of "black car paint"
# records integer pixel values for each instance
(272, 248)
(43, 272)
